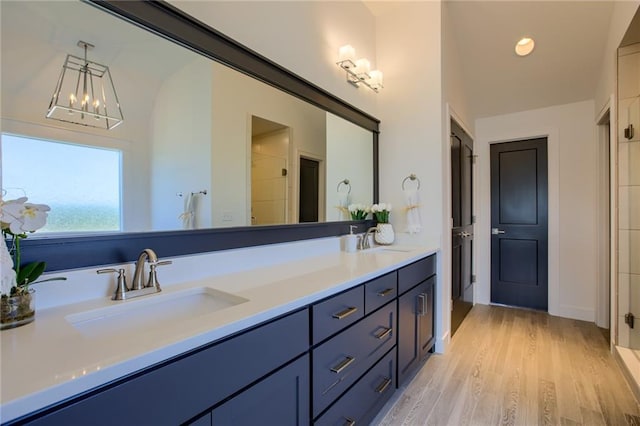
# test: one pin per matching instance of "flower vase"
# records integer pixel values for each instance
(384, 234)
(17, 310)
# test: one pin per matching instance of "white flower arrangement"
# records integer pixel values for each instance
(359, 211)
(381, 212)
(17, 218)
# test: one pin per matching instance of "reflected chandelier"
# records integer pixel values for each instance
(85, 94)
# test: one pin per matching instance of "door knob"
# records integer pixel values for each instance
(496, 231)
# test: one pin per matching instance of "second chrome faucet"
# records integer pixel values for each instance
(138, 286)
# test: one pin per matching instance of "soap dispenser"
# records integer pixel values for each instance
(351, 240)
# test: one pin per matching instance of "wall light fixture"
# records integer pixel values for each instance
(358, 71)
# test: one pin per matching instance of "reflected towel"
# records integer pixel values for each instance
(343, 206)
(188, 216)
(412, 201)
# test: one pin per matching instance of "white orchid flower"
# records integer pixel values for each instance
(20, 217)
(7, 273)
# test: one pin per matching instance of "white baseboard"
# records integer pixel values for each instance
(442, 343)
(575, 312)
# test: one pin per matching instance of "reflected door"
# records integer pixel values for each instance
(309, 190)
(268, 190)
(519, 253)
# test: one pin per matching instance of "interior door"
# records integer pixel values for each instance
(519, 252)
(462, 160)
(309, 190)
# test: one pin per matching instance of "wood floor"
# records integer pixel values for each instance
(515, 367)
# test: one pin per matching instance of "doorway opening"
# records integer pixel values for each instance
(309, 198)
(462, 279)
(603, 218)
(269, 172)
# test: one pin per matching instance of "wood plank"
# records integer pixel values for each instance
(518, 367)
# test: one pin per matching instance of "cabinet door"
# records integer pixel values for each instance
(426, 317)
(415, 327)
(280, 399)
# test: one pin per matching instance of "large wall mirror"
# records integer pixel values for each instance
(234, 149)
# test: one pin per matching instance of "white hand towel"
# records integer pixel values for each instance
(188, 216)
(343, 206)
(412, 201)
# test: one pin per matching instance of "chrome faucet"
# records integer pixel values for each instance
(365, 238)
(147, 255)
(138, 288)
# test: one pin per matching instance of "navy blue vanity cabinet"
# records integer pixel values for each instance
(416, 315)
(280, 399)
(364, 400)
(343, 359)
(191, 384)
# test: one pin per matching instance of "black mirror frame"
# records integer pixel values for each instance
(167, 21)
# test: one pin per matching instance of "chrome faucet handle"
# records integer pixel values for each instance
(121, 287)
(153, 275)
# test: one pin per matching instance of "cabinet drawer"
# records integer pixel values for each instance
(415, 273)
(365, 399)
(194, 382)
(339, 362)
(380, 291)
(336, 313)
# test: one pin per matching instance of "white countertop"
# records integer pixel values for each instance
(50, 360)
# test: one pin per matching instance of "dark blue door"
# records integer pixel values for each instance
(519, 223)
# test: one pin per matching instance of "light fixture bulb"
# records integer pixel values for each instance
(363, 66)
(524, 46)
(346, 55)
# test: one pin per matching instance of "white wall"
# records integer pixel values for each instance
(623, 12)
(572, 148)
(453, 84)
(181, 147)
(349, 156)
(236, 98)
(410, 109)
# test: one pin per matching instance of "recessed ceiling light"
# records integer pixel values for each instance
(525, 46)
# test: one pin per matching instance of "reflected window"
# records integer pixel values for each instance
(81, 184)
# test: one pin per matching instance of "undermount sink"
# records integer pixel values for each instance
(382, 249)
(154, 311)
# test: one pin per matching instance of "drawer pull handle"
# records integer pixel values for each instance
(349, 422)
(422, 305)
(344, 364)
(385, 333)
(383, 386)
(345, 313)
(385, 292)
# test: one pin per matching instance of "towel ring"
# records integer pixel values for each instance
(346, 183)
(412, 177)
